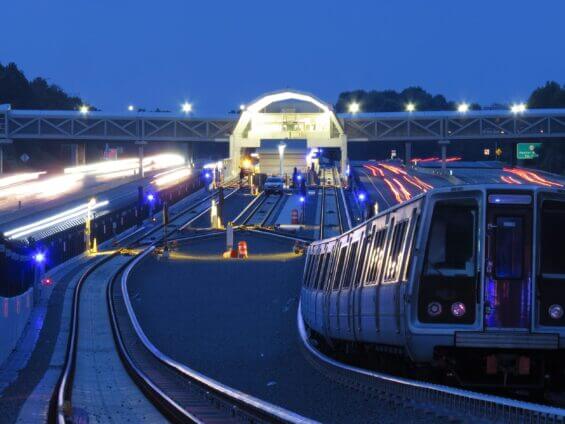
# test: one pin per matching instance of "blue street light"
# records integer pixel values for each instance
(361, 197)
(150, 197)
(207, 175)
(299, 177)
(39, 257)
(302, 199)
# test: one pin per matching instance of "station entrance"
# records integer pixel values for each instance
(283, 129)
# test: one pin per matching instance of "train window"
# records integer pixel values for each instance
(509, 247)
(551, 238)
(394, 256)
(310, 266)
(323, 271)
(376, 256)
(349, 269)
(452, 239)
(313, 267)
(339, 267)
(307, 269)
(359, 271)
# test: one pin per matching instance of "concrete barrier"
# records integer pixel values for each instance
(14, 314)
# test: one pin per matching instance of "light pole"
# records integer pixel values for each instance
(282, 146)
(87, 230)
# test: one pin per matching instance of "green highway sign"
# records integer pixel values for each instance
(527, 150)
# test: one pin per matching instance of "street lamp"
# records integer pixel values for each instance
(186, 107)
(281, 147)
(410, 107)
(83, 109)
(354, 107)
(463, 108)
(130, 108)
(518, 108)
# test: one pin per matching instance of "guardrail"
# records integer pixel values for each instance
(434, 396)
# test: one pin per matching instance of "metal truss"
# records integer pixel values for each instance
(75, 126)
(61, 125)
(489, 125)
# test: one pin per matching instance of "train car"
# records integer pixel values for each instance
(468, 279)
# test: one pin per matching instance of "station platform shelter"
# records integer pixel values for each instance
(298, 121)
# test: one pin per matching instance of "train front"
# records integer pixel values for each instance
(488, 293)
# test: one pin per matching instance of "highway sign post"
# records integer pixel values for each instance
(526, 151)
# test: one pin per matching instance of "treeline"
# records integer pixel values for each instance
(22, 93)
(551, 95)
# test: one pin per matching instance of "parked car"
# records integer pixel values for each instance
(273, 185)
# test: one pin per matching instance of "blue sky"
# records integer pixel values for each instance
(218, 54)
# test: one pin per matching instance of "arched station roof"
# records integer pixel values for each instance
(264, 101)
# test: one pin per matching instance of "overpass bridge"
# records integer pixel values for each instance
(280, 115)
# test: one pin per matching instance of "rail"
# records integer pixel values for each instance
(61, 404)
(250, 406)
(239, 405)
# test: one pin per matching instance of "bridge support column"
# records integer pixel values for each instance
(188, 153)
(443, 144)
(3, 142)
(235, 154)
(407, 152)
(343, 149)
(140, 144)
(78, 154)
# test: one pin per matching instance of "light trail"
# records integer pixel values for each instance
(374, 170)
(403, 189)
(393, 189)
(53, 220)
(418, 183)
(171, 177)
(509, 180)
(50, 187)
(394, 169)
(125, 167)
(430, 159)
(20, 178)
(532, 177)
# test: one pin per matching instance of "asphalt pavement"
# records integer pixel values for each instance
(235, 321)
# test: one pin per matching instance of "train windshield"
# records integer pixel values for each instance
(452, 239)
(448, 285)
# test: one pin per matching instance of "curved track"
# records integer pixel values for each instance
(174, 392)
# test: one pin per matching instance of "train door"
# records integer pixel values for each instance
(508, 267)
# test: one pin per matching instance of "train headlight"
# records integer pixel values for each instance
(434, 309)
(458, 309)
(555, 311)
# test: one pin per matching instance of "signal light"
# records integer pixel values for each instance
(555, 311)
(434, 309)
(458, 309)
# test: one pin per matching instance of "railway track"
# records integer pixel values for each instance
(106, 340)
(442, 401)
(331, 223)
(261, 211)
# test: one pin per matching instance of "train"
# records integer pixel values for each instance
(468, 280)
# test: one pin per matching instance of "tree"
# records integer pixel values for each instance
(551, 95)
(20, 93)
(393, 101)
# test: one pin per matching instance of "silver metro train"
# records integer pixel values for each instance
(469, 279)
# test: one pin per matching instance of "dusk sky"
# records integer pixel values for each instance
(220, 54)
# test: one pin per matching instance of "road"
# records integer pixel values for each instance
(388, 183)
